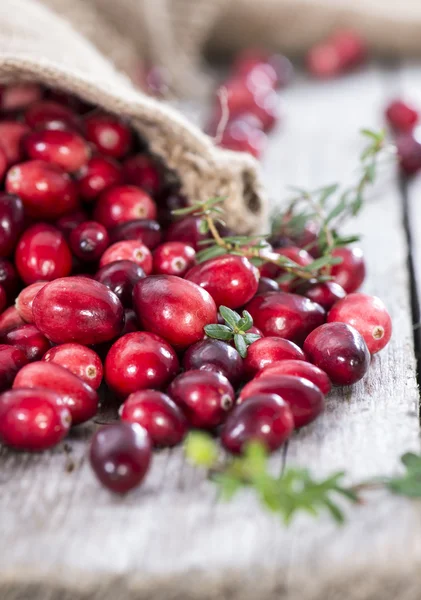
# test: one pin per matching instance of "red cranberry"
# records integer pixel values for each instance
(30, 340)
(239, 95)
(173, 308)
(350, 273)
(204, 396)
(231, 280)
(340, 351)
(11, 136)
(10, 319)
(187, 230)
(215, 354)
(269, 350)
(89, 240)
(19, 95)
(168, 200)
(139, 361)
(368, 315)
(120, 277)
(11, 222)
(409, 151)
(47, 192)
(305, 400)
(293, 253)
(66, 149)
(120, 456)
(158, 415)
(69, 100)
(324, 61)
(97, 175)
(109, 135)
(401, 116)
(264, 418)
(305, 237)
(9, 279)
(285, 315)
(131, 323)
(11, 361)
(142, 171)
(325, 294)
(128, 250)
(146, 231)
(42, 253)
(267, 285)
(298, 368)
(25, 299)
(78, 309)
(77, 396)
(3, 163)
(32, 419)
(173, 258)
(3, 299)
(50, 115)
(240, 136)
(68, 222)
(79, 360)
(350, 46)
(282, 69)
(122, 203)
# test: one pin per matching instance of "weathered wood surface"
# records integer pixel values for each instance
(63, 537)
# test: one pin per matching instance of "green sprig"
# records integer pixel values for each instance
(235, 328)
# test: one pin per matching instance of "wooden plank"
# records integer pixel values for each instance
(61, 536)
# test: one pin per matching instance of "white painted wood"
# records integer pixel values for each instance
(62, 536)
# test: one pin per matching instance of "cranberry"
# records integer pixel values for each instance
(109, 135)
(19, 95)
(264, 418)
(47, 192)
(120, 456)
(130, 321)
(215, 355)
(409, 151)
(122, 203)
(305, 400)
(168, 200)
(66, 149)
(120, 277)
(146, 231)
(68, 222)
(97, 175)
(325, 294)
(298, 368)
(25, 299)
(158, 415)
(240, 136)
(204, 396)
(267, 285)
(32, 419)
(401, 116)
(350, 46)
(3, 163)
(11, 222)
(173, 308)
(78, 309)
(269, 350)
(282, 69)
(9, 279)
(79, 360)
(10, 319)
(139, 361)
(340, 351)
(324, 61)
(3, 299)
(350, 273)
(42, 253)
(141, 170)
(11, 136)
(11, 360)
(30, 340)
(187, 230)
(173, 258)
(304, 237)
(368, 315)
(50, 115)
(128, 250)
(69, 100)
(89, 240)
(298, 255)
(77, 396)
(285, 315)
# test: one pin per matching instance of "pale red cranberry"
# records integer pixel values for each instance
(324, 61)
(240, 136)
(10, 319)
(19, 95)
(401, 115)
(79, 360)
(11, 361)
(11, 136)
(23, 303)
(351, 47)
(128, 250)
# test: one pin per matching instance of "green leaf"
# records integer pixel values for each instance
(200, 449)
(230, 316)
(241, 345)
(373, 135)
(336, 210)
(412, 461)
(406, 486)
(219, 332)
(228, 485)
(371, 172)
(245, 322)
(250, 338)
(208, 253)
(203, 226)
(326, 192)
(321, 262)
(346, 240)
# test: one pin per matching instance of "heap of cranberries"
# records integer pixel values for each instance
(101, 289)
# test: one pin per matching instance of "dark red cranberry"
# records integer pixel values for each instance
(69, 100)
(78, 309)
(264, 418)
(298, 368)
(10, 319)
(340, 351)
(139, 361)
(32, 419)
(42, 253)
(89, 240)
(350, 273)
(141, 170)
(368, 315)
(131, 323)
(158, 415)
(267, 285)
(323, 60)
(97, 175)
(46, 190)
(187, 230)
(3, 299)
(79, 360)
(218, 355)
(68, 222)
(25, 299)
(111, 136)
(297, 255)
(51, 115)
(3, 163)
(120, 277)
(173, 258)
(11, 361)
(131, 250)
(66, 149)
(9, 279)
(19, 95)
(304, 237)
(169, 200)
(240, 136)
(204, 396)
(120, 456)
(409, 151)
(146, 231)
(268, 350)
(401, 115)
(77, 396)
(30, 340)
(11, 222)
(11, 136)
(173, 308)
(289, 316)
(305, 400)
(325, 294)
(121, 203)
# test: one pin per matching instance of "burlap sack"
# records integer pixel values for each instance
(35, 44)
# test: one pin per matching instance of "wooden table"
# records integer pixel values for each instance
(63, 537)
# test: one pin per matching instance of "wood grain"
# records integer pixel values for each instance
(62, 536)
